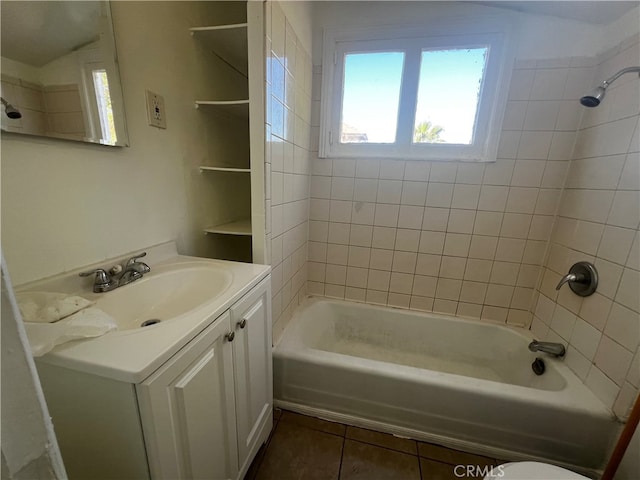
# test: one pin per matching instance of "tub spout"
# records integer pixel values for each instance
(555, 349)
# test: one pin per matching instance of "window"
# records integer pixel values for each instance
(400, 94)
(103, 102)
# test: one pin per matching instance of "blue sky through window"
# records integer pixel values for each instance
(449, 89)
(448, 93)
(371, 97)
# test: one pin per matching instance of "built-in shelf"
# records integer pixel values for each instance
(224, 169)
(238, 108)
(229, 42)
(239, 227)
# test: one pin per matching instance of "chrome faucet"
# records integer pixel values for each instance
(555, 349)
(132, 271)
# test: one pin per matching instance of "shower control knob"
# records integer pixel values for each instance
(582, 279)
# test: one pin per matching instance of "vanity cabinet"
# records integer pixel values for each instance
(251, 350)
(203, 414)
(188, 410)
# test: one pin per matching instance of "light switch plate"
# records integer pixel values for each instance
(155, 110)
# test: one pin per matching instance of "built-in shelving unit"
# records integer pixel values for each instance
(204, 168)
(237, 108)
(234, 170)
(229, 42)
(238, 227)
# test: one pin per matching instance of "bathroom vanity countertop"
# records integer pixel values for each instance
(132, 355)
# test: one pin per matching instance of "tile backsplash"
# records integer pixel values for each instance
(467, 239)
(598, 222)
(491, 240)
(287, 172)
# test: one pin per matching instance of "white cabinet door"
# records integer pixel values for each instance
(188, 410)
(251, 319)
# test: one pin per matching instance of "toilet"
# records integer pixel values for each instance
(532, 471)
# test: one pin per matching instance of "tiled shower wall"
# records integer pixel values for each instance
(466, 239)
(288, 117)
(598, 221)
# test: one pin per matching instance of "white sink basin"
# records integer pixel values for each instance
(164, 294)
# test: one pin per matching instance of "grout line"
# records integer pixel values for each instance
(344, 439)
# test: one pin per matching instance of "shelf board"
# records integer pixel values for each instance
(239, 227)
(224, 169)
(229, 42)
(237, 108)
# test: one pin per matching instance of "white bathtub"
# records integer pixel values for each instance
(460, 383)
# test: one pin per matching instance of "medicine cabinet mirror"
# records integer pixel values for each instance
(60, 73)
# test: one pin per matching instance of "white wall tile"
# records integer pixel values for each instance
(439, 194)
(389, 191)
(365, 190)
(414, 193)
(386, 215)
(623, 326)
(625, 211)
(615, 244)
(595, 310)
(628, 290)
(461, 221)
(435, 219)
(613, 360)
(379, 280)
(563, 322)
(602, 386)
(428, 264)
(585, 338)
(534, 145)
(410, 217)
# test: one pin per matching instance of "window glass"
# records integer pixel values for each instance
(105, 109)
(448, 95)
(371, 97)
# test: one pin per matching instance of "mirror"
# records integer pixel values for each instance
(60, 74)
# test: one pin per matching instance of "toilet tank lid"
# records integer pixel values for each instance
(532, 471)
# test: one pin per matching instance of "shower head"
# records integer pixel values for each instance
(11, 111)
(596, 96)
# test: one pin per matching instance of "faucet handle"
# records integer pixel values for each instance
(140, 267)
(133, 260)
(569, 277)
(582, 279)
(102, 277)
(102, 281)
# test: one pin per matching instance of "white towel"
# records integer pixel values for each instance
(48, 307)
(87, 323)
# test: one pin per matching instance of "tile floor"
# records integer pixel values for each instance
(307, 448)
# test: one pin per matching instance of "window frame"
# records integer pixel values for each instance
(447, 34)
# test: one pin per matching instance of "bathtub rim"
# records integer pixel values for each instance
(292, 346)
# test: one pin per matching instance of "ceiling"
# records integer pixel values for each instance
(594, 12)
(36, 33)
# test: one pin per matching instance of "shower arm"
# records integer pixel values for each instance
(613, 78)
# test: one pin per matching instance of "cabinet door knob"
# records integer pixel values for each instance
(242, 323)
(230, 336)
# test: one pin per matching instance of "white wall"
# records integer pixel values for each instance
(67, 204)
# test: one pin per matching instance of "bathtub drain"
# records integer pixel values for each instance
(538, 366)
